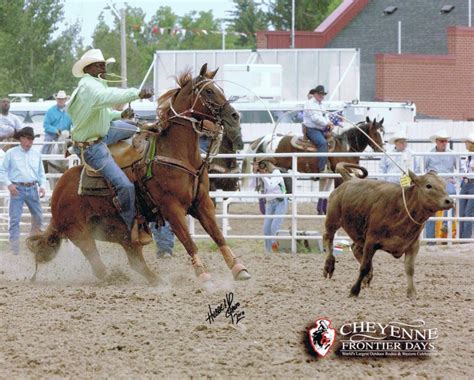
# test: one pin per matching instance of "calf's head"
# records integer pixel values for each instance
(431, 192)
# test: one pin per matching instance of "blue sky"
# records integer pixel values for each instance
(87, 11)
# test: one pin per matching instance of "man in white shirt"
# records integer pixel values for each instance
(9, 123)
(23, 173)
(315, 119)
(405, 160)
(440, 163)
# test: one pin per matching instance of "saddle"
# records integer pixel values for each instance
(304, 144)
(125, 155)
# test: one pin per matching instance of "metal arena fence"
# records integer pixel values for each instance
(304, 191)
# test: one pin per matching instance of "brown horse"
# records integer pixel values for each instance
(351, 140)
(176, 182)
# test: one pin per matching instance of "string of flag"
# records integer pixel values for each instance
(181, 32)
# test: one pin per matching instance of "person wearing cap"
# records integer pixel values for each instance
(316, 122)
(56, 122)
(96, 125)
(275, 204)
(440, 163)
(405, 160)
(466, 206)
(9, 124)
(23, 173)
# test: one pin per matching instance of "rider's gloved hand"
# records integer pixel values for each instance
(146, 93)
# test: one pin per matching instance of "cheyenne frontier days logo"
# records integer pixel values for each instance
(375, 339)
(387, 339)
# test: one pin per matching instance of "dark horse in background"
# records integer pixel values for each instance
(175, 179)
(351, 140)
(231, 143)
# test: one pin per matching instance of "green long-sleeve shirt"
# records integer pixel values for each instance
(90, 107)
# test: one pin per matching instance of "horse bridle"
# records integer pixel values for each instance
(196, 117)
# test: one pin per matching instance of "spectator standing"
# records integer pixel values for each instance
(440, 163)
(23, 173)
(164, 239)
(466, 206)
(276, 204)
(55, 122)
(316, 122)
(9, 124)
(405, 160)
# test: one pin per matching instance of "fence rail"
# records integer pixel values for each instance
(302, 192)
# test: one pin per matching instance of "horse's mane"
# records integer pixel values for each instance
(164, 101)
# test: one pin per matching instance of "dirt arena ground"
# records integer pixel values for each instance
(70, 325)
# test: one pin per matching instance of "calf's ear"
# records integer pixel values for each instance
(413, 177)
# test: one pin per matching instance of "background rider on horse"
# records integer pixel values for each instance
(96, 125)
(316, 122)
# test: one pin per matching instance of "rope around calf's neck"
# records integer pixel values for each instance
(406, 208)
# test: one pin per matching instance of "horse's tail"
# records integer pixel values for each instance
(46, 245)
(247, 162)
(344, 169)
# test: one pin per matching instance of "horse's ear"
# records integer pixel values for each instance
(367, 119)
(212, 74)
(203, 70)
(375, 121)
(381, 121)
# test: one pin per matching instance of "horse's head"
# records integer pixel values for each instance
(201, 99)
(375, 131)
(213, 97)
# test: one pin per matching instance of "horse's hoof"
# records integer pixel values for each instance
(354, 292)
(204, 277)
(329, 266)
(206, 282)
(240, 273)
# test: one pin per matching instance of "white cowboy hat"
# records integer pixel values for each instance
(441, 134)
(399, 135)
(61, 95)
(470, 137)
(90, 56)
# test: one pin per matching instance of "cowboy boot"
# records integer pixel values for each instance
(139, 234)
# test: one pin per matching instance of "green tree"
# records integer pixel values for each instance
(308, 13)
(247, 18)
(33, 59)
(139, 54)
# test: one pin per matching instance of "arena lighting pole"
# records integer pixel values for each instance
(223, 35)
(292, 24)
(123, 43)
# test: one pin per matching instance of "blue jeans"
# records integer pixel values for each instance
(430, 225)
(272, 225)
(163, 237)
(317, 138)
(466, 209)
(28, 195)
(204, 143)
(99, 158)
(48, 137)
